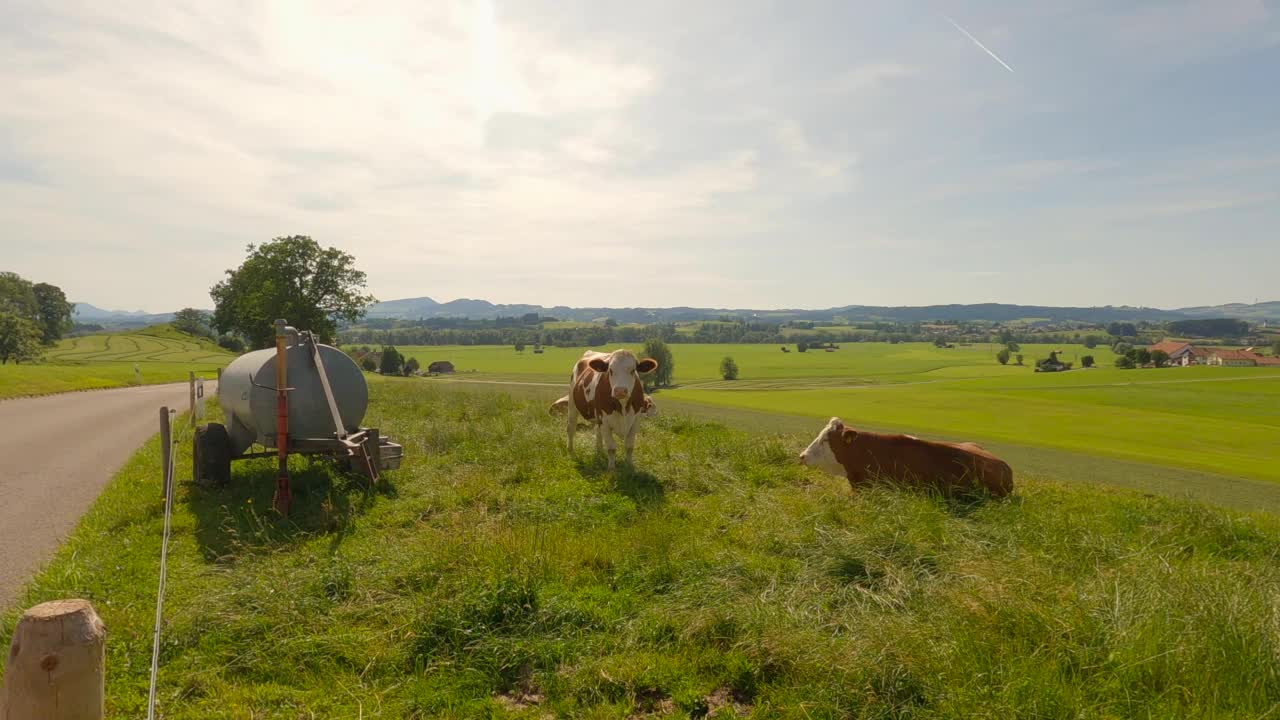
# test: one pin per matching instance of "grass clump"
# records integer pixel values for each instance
(495, 576)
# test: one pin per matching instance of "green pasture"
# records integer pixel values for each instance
(1222, 421)
(496, 576)
(107, 360)
(696, 363)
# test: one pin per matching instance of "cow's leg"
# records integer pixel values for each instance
(572, 424)
(599, 438)
(630, 440)
(611, 445)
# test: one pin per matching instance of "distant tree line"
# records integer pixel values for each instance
(1223, 327)
(525, 331)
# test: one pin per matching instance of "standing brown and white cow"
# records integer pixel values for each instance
(950, 468)
(605, 389)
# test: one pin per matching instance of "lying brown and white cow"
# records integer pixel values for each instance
(863, 456)
(605, 389)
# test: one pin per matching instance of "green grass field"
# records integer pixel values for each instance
(161, 354)
(1221, 421)
(695, 363)
(503, 578)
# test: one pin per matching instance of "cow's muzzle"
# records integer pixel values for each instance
(620, 393)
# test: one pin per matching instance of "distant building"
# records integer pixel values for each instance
(1182, 353)
(1234, 358)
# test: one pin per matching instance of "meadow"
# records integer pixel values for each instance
(1220, 421)
(107, 360)
(494, 575)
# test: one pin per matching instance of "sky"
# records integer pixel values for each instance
(714, 153)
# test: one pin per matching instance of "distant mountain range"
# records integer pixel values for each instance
(425, 308)
(90, 314)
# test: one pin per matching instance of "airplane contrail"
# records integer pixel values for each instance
(975, 42)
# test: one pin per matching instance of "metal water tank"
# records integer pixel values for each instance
(246, 393)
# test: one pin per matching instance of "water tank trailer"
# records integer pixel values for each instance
(300, 398)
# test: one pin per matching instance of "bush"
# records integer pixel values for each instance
(1087, 361)
(519, 347)
(411, 366)
(232, 343)
(1002, 357)
(1018, 358)
(728, 368)
(1124, 362)
(802, 346)
(367, 364)
(1159, 358)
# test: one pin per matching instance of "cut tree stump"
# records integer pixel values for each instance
(56, 666)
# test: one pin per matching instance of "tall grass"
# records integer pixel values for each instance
(495, 576)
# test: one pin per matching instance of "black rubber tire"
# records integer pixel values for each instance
(211, 456)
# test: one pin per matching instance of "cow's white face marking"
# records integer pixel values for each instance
(819, 454)
(623, 370)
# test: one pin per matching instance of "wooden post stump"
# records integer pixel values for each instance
(57, 664)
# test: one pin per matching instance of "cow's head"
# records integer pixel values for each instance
(623, 370)
(821, 454)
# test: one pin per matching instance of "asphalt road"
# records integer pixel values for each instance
(57, 452)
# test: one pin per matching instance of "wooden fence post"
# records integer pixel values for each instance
(57, 664)
(166, 447)
(191, 388)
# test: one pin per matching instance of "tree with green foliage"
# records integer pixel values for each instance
(1124, 362)
(291, 278)
(519, 346)
(411, 366)
(54, 312)
(42, 304)
(1159, 358)
(728, 369)
(1141, 356)
(1002, 357)
(1018, 358)
(802, 346)
(1121, 348)
(1014, 347)
(1119, 329)
(1087, 361)
(192, 322)
(391, 361)
(20, 339)
(1275, 348)
(1091, 341)
(367, 364)
(657, 349)
(18, 296)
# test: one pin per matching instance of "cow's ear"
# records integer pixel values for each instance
(599, 365)
(848, 435)
(647, 365)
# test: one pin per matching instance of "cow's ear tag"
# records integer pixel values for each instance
(848, 436)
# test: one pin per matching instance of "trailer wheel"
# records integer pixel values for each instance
(211, 456)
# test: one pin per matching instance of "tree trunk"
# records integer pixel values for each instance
(56, 668)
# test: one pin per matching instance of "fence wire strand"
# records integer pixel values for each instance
(169, 482)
